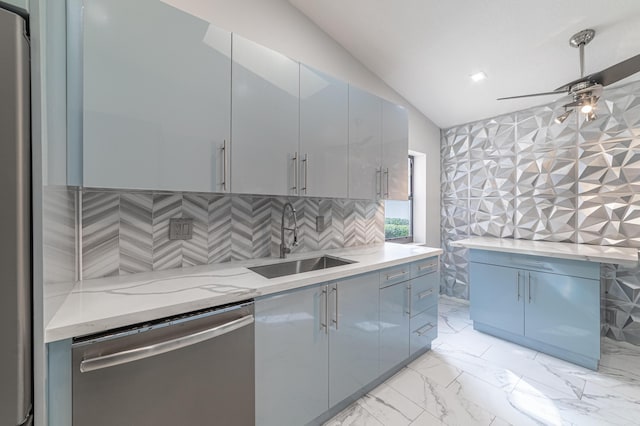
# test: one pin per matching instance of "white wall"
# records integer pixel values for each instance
(279, 26)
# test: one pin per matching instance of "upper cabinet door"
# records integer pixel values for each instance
(265, 111)
(156, 110)
(324, 133)
(365, 150)
(395, 151)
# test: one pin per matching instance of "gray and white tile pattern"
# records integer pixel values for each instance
(128, 232)
(470, 378)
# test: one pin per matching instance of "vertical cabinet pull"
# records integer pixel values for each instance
(518, 286)
(529, 284)
(324, 313)
(408, 310)
(379, 182)
(224, 165)
(335, 319)
(386, 190)
(295, 171)
(306, 173)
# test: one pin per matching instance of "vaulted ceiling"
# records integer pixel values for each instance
(427, 49)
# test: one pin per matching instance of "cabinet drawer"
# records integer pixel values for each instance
(424, 328)
(424, 293)
(394, 275)
(425, 266)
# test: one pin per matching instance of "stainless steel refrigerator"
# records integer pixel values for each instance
(16, 385)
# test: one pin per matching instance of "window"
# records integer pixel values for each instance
(398, 215)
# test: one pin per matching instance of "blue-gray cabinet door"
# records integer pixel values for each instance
(365, 145)
(265, 99)
(394, 325)
(497, 297)
(563, 311)
(353, 335)
(156, 87)
(291, 357)
(324, 134)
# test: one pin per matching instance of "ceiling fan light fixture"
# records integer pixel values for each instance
(562, 117)
(479, 76)
(586, 108)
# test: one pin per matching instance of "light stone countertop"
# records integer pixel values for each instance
(586, 252)
(102, 304)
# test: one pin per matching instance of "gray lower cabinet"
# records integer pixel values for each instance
(394, 325)
(318, 346)
(292, 377)
(548, 304)
(353, 335)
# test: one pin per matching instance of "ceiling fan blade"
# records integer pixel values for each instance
(609, 75)
(555, 92)
(617, 72)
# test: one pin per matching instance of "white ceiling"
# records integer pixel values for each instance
(427, 49)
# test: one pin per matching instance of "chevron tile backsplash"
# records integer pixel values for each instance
(128, 232)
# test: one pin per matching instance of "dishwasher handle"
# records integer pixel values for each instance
(135, 354)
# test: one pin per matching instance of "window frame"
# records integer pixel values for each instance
(409, 239)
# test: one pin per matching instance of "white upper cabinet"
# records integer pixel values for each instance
(265, 97)
(365, 141)
(156, 97)
(324, 133)
(395, 151)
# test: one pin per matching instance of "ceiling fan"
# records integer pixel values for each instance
(587, 89)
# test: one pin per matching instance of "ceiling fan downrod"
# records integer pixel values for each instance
(580, 40)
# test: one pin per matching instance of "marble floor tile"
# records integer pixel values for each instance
(500, 422)
(439, 401)
(493, 374)
(426, 419)
(435, 366)
(390, 407)
(470, 378)
(354, 415)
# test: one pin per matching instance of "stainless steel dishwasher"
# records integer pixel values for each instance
(194, 369)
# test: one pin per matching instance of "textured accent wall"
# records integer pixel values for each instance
(524, 176)
(128, 232)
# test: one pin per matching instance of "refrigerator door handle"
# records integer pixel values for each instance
(135, 354)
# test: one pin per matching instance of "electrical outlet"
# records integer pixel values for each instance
(320, 224)
(181, 229)
(610, 316)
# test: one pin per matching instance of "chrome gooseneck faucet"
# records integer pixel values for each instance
(283, 246)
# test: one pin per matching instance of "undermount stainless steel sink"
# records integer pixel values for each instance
(275, 270)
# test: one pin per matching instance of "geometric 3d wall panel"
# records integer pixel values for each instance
(523, 175)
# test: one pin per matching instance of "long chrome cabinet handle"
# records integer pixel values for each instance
(529, 284)
(306, 173)
(394, 276)
(323, 318)
(386, 191)
(224, 165)
(425, 294)
(408, 311)
(427, 266)
(335, 291)
(518, 286)
(135, 354)
(424, 329)
(379, 182)
(296, 165)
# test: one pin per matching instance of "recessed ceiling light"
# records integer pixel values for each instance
(479, 76)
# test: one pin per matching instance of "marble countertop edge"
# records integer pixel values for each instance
(624, 256)
(102, 304)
